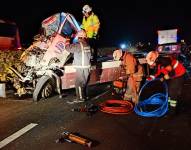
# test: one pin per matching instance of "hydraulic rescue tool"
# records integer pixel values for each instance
(71, 137)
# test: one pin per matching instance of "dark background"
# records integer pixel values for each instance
(121, 21)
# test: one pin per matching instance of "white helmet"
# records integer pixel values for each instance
(86, 9)
(81, 34)
(151, 57)
(117, 54)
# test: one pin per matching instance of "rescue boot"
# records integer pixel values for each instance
(172, 111)
(135, 99)
(179, 107)
(74, 101)
(78, 98)
(127, 96)
(82, 94)
(172, 107)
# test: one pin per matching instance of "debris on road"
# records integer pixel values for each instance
(90, 109)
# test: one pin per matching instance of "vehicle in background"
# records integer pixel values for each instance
(10, 47)
(168, 44)
(173, 48)
(9, 36)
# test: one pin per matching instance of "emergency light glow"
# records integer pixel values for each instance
(123, 46)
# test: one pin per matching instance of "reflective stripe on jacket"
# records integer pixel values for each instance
(177, 68)
(81, 53)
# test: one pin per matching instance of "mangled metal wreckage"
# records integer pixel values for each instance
(44, 67)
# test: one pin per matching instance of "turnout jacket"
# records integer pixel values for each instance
(82, 54)
(170, 66)
(130, 63)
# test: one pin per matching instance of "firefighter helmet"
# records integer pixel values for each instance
(81, 34)
(86, 9)
(117, 54)
(151, 57)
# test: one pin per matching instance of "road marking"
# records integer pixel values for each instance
(17, 134)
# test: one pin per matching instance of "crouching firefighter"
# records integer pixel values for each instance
(134, 73)
(170, 69)
(81, 63)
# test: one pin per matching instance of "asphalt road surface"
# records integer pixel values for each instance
(107, 132)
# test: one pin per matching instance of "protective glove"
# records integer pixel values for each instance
(94, 35)
(151, 77)
(166, 77)
(162, 79)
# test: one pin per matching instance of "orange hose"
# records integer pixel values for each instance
(116, 107)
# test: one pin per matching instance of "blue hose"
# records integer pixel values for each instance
(159, 99)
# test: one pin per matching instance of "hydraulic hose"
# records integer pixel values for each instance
(159, 100)
(120, 107)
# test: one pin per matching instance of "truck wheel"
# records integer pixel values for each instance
(44, 88)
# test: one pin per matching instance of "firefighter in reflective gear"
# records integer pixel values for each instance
(170, 69)
(81, 63)
(134, 72)
(91, 25)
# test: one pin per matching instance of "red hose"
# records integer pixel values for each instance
(116, 107)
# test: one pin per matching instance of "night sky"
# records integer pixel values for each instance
(138, 20)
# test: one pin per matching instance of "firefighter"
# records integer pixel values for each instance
(134, 72)
(81, 63)
(170, 69)
(91, 25)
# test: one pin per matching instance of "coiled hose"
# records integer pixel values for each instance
(119, 107)
(158, 100)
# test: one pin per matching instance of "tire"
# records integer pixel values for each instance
(44, 88)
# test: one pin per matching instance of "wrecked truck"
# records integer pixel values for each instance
(46, 66)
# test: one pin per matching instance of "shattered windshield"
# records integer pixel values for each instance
(68, 23)
(68, 29)
(51, 24)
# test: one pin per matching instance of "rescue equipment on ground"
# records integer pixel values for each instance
(119, 87)
(71, 137)
(90, 109)
(119, 83)
(159, 101)
(116, 107)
